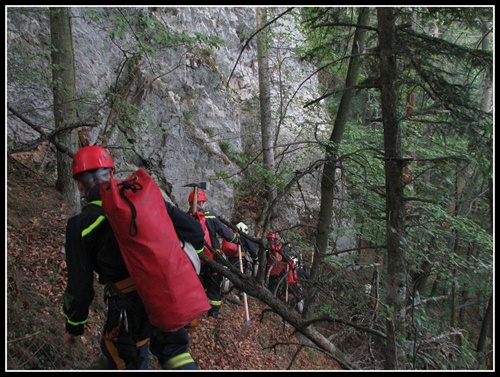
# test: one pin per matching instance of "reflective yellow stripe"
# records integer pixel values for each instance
(178, 361)
(75, 323)
(215, 302)
(99, 220)
(68, 299)
(95, 223)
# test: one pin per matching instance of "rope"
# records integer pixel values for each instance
(133, 186)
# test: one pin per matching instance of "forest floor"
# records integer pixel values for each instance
(36, 279)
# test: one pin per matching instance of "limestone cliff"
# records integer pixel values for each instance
(185, 79)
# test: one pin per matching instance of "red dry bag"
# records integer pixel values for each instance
(163, 274)
(230, 248)
(200, 217)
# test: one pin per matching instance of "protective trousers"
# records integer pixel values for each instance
(212, 282)
(128, 336)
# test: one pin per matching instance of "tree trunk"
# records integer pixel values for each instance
(487, 326)
(486, 332)
(265, 106)
(488, 79)
(328, 175)
(395, 208)
(64, 92)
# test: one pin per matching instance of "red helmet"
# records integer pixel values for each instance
(90, 158)
(201, 196)
(272, 235)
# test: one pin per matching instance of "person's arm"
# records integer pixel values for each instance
(79, 291)
(220, 228)
(225, 232)
(249, 247)
(188, 229)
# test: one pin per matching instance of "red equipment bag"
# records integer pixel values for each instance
(229, 248)
(293, 275)
(200, 217)
(275, 259)
(163, 274)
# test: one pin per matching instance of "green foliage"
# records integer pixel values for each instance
(446, 139)
(150, 35)
(226, 147)
(328, 309)
(442, 352)
(127, 114)
(256, 174)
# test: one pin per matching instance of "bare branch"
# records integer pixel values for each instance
(253, 35)
(44, 136)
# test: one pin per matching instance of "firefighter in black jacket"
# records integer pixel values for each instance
(249, 254)
(212, 280)
(92, 247)
(249, 251)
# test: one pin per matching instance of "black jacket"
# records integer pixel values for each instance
(249, 247)
(92, 247)
(216, 228)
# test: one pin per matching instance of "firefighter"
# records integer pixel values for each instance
(249, 254)
(91, 246)
(274, 261)
(213, 228)
(294, 284)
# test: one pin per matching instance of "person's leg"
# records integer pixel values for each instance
(123, 352)
(172, 350)
(214, 293)
(126, 333)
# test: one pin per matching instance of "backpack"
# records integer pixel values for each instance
(200, 217)
(275, 260)
(162, 272)
(230, 248)
(292, 274)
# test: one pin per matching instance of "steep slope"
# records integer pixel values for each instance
(36, 279)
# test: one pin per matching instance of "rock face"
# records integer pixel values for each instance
(190, 90)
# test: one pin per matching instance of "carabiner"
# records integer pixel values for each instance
(125, 320)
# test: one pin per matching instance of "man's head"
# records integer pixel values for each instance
(90, 158)
(91, 164)
(200, 200)
(272, 238)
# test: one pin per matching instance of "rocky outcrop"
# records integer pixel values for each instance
(189, 87)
